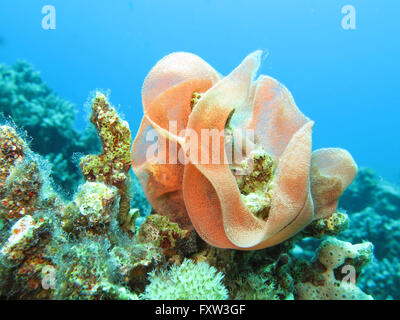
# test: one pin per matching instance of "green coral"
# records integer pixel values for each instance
(189, 281)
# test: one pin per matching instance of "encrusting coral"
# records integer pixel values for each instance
(182, 97)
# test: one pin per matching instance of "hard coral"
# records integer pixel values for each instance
(370, 191)
(182, 97)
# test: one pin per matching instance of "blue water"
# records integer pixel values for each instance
(345, 80)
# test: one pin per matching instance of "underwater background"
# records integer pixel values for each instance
(343, 79)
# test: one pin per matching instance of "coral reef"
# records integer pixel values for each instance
(272, 281)
(160, 231)
(48, 119)
(101, 243)
(78, 249)
(90, 270)
(374, 210)
(91, 209)
(278, 273)
(381, 279)
(369, 191)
